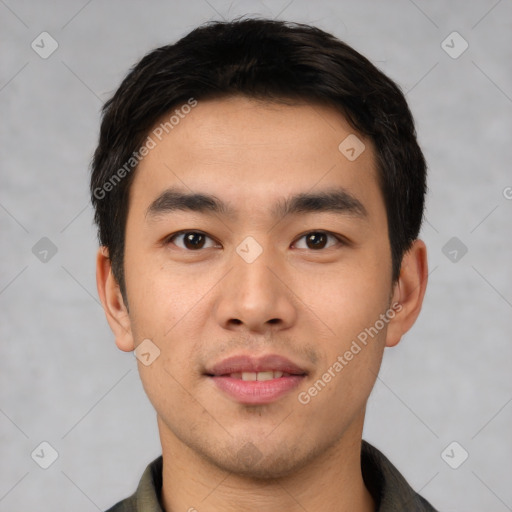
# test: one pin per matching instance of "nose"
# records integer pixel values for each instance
(255, 295)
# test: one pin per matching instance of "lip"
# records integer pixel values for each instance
(256, 392)
(246, 363)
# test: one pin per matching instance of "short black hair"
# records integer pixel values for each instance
(269, 60)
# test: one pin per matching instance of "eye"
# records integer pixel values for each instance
(318, 239)
(195, 240)
(192, 240)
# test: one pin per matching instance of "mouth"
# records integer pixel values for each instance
(257, 376)
(252, 380)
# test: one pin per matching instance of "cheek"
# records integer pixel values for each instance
(349, 304)
(159, 297)
(169, 319)
(353, 352)
(348, 298)
(167, 307)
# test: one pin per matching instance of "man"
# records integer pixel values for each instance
(259, 191)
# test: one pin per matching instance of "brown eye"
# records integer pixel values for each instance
(191, 240)
(317, 240)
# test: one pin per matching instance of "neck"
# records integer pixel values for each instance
(331, 481)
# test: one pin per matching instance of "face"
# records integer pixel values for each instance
(260, 271)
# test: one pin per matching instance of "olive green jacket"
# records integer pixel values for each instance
(387, 486)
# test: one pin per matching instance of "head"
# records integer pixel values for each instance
(253, 120)
(273, 61)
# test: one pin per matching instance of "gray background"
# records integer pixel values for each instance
(62, 379)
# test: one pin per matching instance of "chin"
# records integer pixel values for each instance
(249, 462)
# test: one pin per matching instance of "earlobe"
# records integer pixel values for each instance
(112, 301)
(408, 292)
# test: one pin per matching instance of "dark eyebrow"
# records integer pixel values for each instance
(331, 200)
(174, 199)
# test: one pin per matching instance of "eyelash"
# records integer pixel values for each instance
(339, 238)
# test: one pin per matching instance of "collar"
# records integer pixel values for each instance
(387, 486)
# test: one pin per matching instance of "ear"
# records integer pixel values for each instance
(113, 303)
(408, 292)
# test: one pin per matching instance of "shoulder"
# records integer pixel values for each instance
(388, 487)
(147, 496)
(126, 505)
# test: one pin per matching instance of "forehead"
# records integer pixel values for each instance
(255, 153)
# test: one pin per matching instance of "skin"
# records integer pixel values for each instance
(199, 306)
